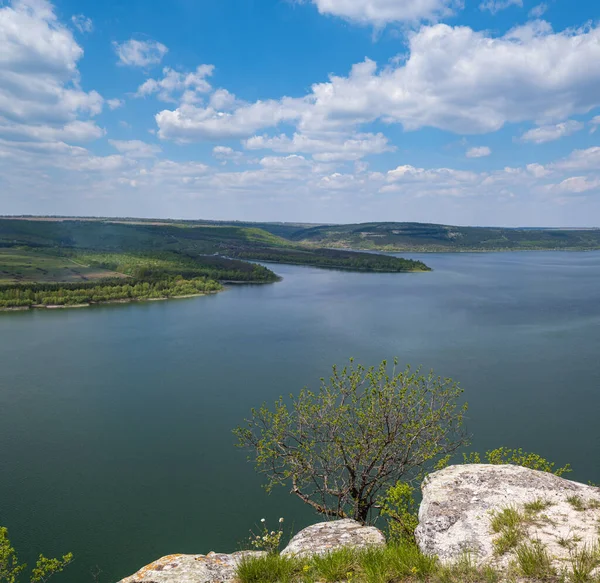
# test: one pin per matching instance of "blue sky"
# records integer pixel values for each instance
(476, 112)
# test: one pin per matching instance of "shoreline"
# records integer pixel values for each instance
(108, 302)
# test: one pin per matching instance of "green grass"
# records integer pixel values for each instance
(534, 561)
(19, 265)
(583, 562)
(536, 506)
(394, 563)
(509, 525)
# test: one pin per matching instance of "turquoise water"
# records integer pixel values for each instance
(115, 421)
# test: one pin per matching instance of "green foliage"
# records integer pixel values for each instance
(584, 561)
(362, 431)
(536, 506)
(11, 569)
(509, 525)
(394, 563)
(517, 457)
(270, 568)
(63, 294)
(198, 240)
(534, 561)
(333, 259)
(465, 570)
(267, 540)
(336, 566)
(429, 237)
(400, 508)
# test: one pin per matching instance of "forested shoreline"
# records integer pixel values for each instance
(103, 291)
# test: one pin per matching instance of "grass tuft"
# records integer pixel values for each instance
(271, 568)
(508, 524)
(583, 562)
(534, 561)
(536, 506)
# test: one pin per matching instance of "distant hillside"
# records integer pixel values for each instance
(197, 240)
(209, 236)
(429, 237)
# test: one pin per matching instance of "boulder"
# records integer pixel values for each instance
(211, 568)
(322, 538)
(460, 501)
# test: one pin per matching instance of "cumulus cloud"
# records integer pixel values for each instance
(174, 83)
(189, 123)
(136, 53)
(75, 131)
(135, 148)
(453, 78)
(549, 133)
(479, 152)
(380, 12)
(40, 97)
(115, 103)
(495, 6)
(227, 154)
(82, 23)
(538, 11)
(326, 148)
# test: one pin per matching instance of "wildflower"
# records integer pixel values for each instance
(262, 520)
(414, 570)
(280, 520)
(306, 568)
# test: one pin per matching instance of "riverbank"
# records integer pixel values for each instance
(90, 304)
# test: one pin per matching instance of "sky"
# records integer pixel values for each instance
(465, 112)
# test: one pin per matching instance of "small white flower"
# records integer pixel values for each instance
(280, 520)
(262, 520)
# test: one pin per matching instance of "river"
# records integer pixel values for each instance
(115, 421)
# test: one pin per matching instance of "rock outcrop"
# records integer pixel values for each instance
(459, 502)
(211, 568)
(317, 539)
(322, 538)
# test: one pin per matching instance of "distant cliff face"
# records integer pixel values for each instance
(490, 511)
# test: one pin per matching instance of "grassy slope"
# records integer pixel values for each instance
(244, 242)
(425, 237)
(18, 265)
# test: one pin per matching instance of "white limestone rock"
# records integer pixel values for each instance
(211, 568)
(458, 503)
(322, 538)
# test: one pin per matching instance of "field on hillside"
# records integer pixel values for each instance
(19, 265)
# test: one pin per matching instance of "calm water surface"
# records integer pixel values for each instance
(115, 421)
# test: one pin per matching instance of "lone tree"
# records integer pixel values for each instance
(363, 431)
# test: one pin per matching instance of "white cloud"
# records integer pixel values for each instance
(579, 160)
(188, 122)
(115, 103)
(326, 148)
(549, 133)
(594, 122)
(538, 11)
(380, 12)
(227, 154)
(74, 131)
(135, 148)
(480, 152)
(453, 78)
(82, 23)
(174, 82)
(40, 97)
(495, 6)
(575, 185)
(138, 53)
